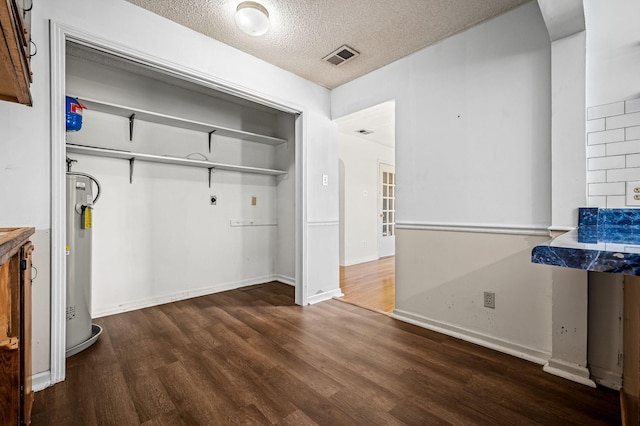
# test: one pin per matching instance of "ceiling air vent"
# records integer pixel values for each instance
(364, 131)
(341, 55)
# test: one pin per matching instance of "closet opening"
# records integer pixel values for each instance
(200, 182)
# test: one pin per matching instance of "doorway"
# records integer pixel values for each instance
(366, 145)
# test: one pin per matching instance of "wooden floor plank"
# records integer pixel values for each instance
(251, 356)
(371, 285)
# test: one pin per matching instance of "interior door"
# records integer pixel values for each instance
(386, 210)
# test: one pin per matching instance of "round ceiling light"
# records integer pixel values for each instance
(252, 18)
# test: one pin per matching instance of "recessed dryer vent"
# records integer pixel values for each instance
(341, 55)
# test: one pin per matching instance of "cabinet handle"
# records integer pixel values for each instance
(35, 47)
(11, 344)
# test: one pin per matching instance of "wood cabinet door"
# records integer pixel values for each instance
(9, 342)
(25, 338)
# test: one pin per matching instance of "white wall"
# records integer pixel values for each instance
(361, 159)
(613, 56)
(441, 277)
(462, 105)
(472, 150)
(613, 61)
(25, 144)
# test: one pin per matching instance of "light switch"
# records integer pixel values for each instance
(633, 194)
(325, 180)
(254, 201)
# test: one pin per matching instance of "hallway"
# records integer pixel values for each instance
(370, 285)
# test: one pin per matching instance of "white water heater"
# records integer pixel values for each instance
(81, 333)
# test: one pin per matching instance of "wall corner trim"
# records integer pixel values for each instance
(607, 378)
(285, 279)
(321, 297)
(575, 373)
(41, 381)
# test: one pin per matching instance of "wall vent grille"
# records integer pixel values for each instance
(341, 55)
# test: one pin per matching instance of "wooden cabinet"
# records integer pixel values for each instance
(16, 395)
(15, 64)
(630, 392)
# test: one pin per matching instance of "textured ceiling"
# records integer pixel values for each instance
(303, 32)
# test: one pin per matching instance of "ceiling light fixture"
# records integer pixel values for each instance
(252, 18)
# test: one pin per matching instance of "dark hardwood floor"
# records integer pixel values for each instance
(252, 357)
(370, 285)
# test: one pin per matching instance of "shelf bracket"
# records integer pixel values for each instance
(131, 161)
(132, 117)
(210, 168)
(210, 134)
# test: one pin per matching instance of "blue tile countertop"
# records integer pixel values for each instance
(568, 252)
(608, 225)
(607, 240)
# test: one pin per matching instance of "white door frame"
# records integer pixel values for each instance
(59, 35)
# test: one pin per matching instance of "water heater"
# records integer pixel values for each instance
(81, 333)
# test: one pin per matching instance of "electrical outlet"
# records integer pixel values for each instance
(254, 201)
(489, 299)
(633, 194)
(325, 180)
(214, 200)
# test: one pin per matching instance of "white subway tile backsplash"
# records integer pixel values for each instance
(616, 202)
(613, 152)
(600, 201)
(595, 138)
(596, 151)
(595, 125)
(632, 106)
(618, 148)
(615, 188)
(605, 110)
(622, 121)
(606, 163)
(632, 133)
(633, 160)
(623, 175)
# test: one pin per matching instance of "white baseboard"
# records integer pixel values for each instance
(321, 297)
(607, 378)
(181, 295)
(285, 280)
(500, 345)
(40, 381)
(569, 371)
